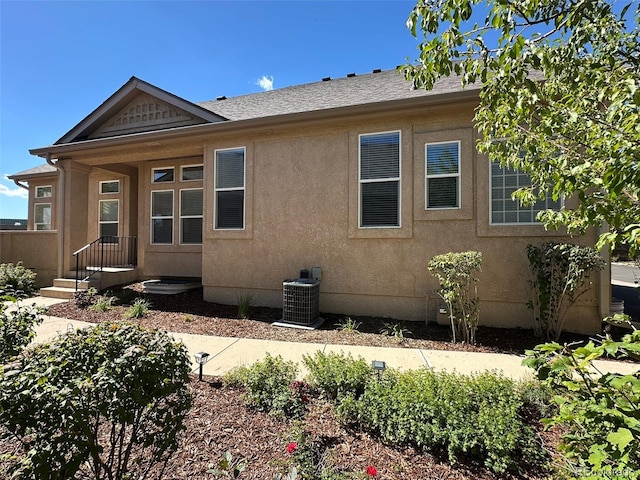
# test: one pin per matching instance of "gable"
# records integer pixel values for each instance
(145, 113)
(138, 107)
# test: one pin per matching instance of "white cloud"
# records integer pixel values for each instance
(266, 83)
(13, 192)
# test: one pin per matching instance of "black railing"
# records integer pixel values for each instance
(105, 252)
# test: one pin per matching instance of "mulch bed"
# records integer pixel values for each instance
(220, 421)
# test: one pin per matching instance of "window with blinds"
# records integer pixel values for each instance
(162, 217)
(229, 189)
(442, 167)
(506, 210)
(379, 166)
(191, 216)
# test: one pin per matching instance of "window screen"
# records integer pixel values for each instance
(442, 175)
(229, 189)
(380, 180)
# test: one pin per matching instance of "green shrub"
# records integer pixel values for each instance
(270, 386)
(396, 330)
(245, 302)
(139, 309)
(103, 303)
(476, 417)
(85, 298)
(17, 327)
(560, 274)
(337, 375)
(104, 402)
(17, 281)
(456, 273)
(601, 413)
(348, 325)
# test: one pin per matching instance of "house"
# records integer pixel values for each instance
(361, 176)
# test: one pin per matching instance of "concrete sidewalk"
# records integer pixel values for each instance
(227, 353)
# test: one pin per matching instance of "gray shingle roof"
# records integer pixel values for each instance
(364, 89)
(39, 170)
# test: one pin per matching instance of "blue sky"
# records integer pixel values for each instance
(61, 60)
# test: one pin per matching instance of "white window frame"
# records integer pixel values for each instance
(519, 207)
(457, 176)
(102, 192)
(42, 187)
(35, 216)
(397, 179)
(153, 174)
(103, 222)
(243, 188)
(172, 217)
(181, 216)
(183, 167)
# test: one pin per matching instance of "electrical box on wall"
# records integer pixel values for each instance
(316, 273)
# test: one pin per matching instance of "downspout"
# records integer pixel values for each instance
(59, 214)
(17, 182)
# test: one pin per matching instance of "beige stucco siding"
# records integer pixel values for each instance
(36, 250)
(302, 200)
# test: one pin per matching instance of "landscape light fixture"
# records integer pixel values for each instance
(379, 367)
(201, 359)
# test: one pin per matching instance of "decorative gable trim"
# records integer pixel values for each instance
(123, 113)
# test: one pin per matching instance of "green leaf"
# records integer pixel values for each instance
(620, 438)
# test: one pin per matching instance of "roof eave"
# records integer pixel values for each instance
(57, 150)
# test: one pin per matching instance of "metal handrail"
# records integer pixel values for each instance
(105, 252)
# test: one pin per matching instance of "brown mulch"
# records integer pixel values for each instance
(220, 421)
(189, 313)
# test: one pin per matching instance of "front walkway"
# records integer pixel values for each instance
(227, 353)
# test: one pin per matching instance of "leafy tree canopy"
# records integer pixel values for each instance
(559, 99)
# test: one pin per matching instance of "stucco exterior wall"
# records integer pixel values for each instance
(36, 250)
(164, 260)
(302, 211)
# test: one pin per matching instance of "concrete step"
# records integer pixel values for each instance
(57, 292)
(70, 283)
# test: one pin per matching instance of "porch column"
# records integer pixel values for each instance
(76, 204)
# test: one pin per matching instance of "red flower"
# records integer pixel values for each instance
(291, 447)
(371, 471)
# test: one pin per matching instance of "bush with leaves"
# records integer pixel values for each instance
(337, 375)
(456, 273)
(17, 326)
(107, 402)
(271, 386)
(560, 274)
(16, 280)
(477, 417)
(601, 412)
(85, 298)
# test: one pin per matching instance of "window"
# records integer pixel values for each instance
(191, 172)
(442, 166)
(229, 189)
(380, 180)
(504, 210)
(162, 217)
(44, 191)
(162, 175)
(108, 218)
(191, 216)
(42, 216)
(112, 186)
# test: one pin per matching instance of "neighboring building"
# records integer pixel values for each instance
(362, 176)
(13, 224)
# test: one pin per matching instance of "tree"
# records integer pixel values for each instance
(106, 402)
(559, 99)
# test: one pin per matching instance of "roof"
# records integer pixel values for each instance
(371, 88)
(43, 170)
